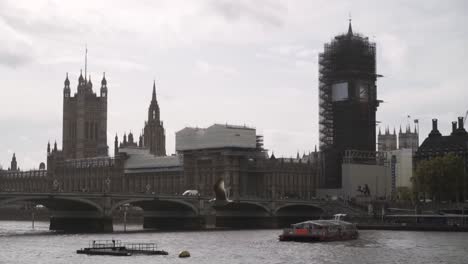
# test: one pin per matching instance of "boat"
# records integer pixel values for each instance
(321, 230)
(117, 248)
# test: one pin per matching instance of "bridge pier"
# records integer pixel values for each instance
(81, 225)
(246, 222)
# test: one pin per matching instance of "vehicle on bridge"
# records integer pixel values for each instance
(191, 193)
(320, 230)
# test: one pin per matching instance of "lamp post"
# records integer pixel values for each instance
(125, 207)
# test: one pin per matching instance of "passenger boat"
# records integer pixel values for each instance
(321, 230)
(117, 248)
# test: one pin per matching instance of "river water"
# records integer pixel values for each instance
(20, 244)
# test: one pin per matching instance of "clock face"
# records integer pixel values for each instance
(363, 91)
(340, 91)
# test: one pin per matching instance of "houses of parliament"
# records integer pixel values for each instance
(85, 123)
(139, 164)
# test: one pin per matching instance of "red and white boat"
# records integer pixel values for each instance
(321, 230)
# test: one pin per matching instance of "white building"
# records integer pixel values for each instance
(403, 166)
(216, 136)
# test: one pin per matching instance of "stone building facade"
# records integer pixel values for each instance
(84, 132)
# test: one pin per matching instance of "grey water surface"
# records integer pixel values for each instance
(20, 244)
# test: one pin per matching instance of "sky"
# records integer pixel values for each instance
(221, 61)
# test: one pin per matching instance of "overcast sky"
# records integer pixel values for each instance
(218, 61)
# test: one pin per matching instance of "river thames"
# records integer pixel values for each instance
(20, 244)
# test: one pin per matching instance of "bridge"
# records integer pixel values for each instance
(92, 212)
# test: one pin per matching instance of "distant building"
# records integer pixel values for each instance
(235, 154)
(387, 141)
(403, 166)
(14, 164)
(437, 145)
(154, 135)
(408, 139)
(84, 130)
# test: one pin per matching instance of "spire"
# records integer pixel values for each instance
(48, 147)
(154, 91)
(400, 129)
(350, 28)
(394, 132)
(297, 156)
(80, 79)
(104, 81)
(67, 81)
(55, 146)
(86, 60)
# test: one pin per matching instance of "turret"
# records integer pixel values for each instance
(14, 164)
(66, 88)
(89, 84)
(104, 85)
(48, 147)
(153, 111)
(116, 145)
(55, 146)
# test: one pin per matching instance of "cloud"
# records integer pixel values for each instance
(210, 68)
(394, 50)
(16, 48)
(262, 11)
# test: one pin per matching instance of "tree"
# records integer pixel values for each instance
(440, 178)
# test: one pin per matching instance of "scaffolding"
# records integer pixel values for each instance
(347, 101)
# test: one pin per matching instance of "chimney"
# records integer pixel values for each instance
(435, 131)
(454, 127)
(460, 123)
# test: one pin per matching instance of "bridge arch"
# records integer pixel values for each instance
(151, 203)
(304, 209)
(50, 202)
(243, 205)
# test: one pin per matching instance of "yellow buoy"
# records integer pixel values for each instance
(184, 254)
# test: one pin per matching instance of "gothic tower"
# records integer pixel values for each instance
(387, 141)
(13, 164)
(84, 132)
(408, 139)
(154, 137)
(347, 101)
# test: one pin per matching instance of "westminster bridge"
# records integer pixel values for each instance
(83, 196)
(92, 212)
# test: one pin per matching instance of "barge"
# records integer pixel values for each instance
(117, 248)
(320, 230)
